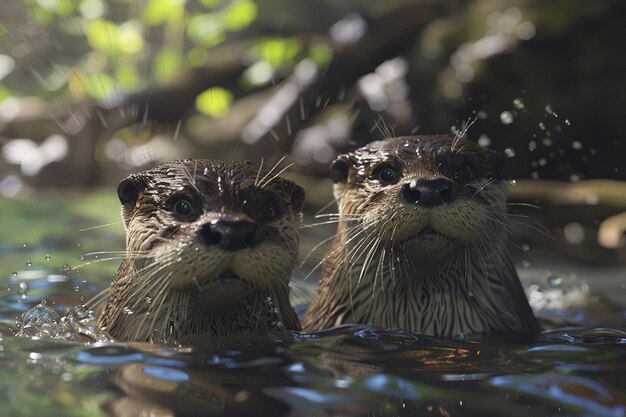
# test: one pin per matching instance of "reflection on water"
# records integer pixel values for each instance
(348, 371)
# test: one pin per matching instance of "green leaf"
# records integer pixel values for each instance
(197, 56)
(214, 102)
(58, 7)
(102, 35)
(129, 38)
(127, 77)
(100, 86)
(277, 52)
(206, 29)
(240, 15)
(4, 93)
(210, 3)
(157, 12)
(166, 64)
(321, 53)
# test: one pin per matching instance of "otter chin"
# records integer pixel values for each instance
(421, 242)
(210, 246)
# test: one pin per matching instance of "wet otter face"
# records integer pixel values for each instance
(423, 195)
(217, 229)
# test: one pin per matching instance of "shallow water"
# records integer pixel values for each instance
(351, 371)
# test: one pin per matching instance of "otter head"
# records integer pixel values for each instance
(218, 230)
(421, 195)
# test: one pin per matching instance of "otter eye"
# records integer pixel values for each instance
(463, 175)
(268, 211)
(386, 174)
(183, 208)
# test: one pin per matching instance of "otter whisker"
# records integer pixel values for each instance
(324, 207)
(268, 173)
(97, 299)
(258, 173)
(460, 134)
(529, 205)
(95, 261)
(483, 185)
(195, 281)
(367, 260)
(316, 247)
(274, 176)
(99, 226)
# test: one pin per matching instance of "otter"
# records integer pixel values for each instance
(209, 251)
(421, 242)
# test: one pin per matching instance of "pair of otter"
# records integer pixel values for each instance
(420, 245)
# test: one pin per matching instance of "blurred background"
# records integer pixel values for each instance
(91, 90)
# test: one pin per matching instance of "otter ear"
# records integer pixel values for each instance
(339, 169)
(297, 198)
(128, 191)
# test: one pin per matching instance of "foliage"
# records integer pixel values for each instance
(111, 49)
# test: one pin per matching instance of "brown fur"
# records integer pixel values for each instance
(174, 288)
(442, 270)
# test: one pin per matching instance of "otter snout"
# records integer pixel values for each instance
(428, 192)
(230, 234)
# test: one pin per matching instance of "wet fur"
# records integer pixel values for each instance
(379, 272)
(167, 289)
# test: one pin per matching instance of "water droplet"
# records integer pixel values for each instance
(548, 109)
(567, 122)
(592, 199)
(574, 178)
(81, 258)
(506, 117)
(482, 114)
(512, 183)
(148, 299)
(76, 288)
(525, 264)
(543, 162)
(78, 244)
(127, 310)
(65, 269)
(542, 126)
(554, 280)
(574, 233)
(577, 145)
(29, 264)
(484, 141)
(48, 257)
(525, 247)
(24, 245)
(509, 152)
(534, 175)
(14, 273)
(546, 141)
(23, 289)
(518, 104)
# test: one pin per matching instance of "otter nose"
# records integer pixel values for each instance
(230, 234)
(428, 193)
